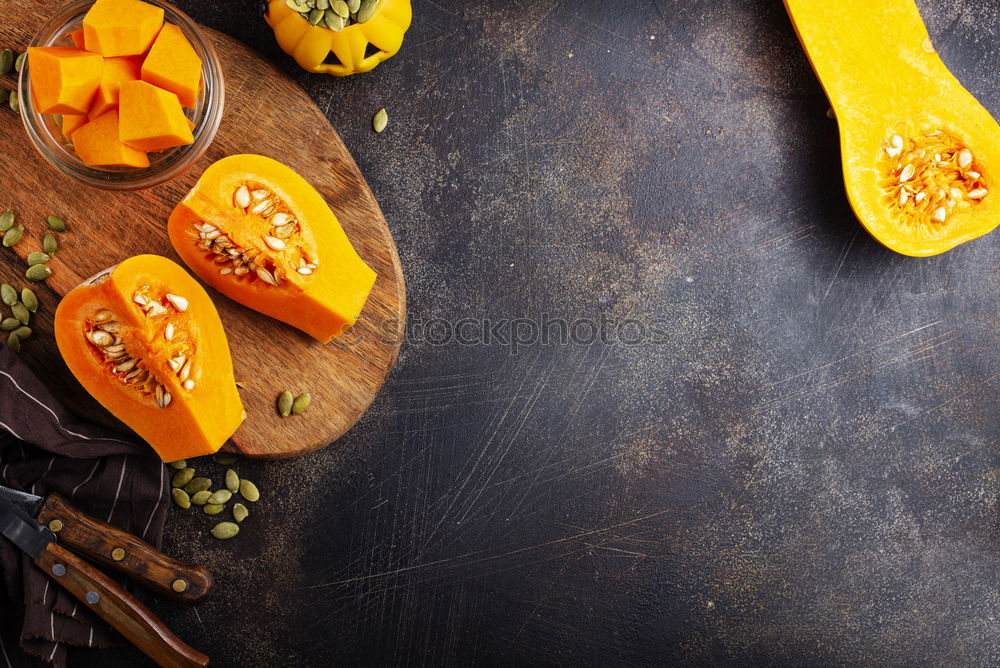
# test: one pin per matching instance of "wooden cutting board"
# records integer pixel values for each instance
(265, 113)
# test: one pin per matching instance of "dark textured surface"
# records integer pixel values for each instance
(799, 474)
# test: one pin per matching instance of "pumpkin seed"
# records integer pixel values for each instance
(301, 404)
(366, 10)
(225, 459)
(13, 235)
(182, 477)
(23, 332)
(380, 120)
(299, 7)
(21, 313)
(220, 497)
(232, 481)
(333, 21)
(6, 220)
(49, 244)
(341, 8)
(13, 103)
(37, 272)
(181, 498)
(10, 324)
(38, 257)
(6, 61)
(200, 498)
(240, 512)
(353, 5)
(322, 4)
(214, 508)
(197, 485)
(29, 299)
(249, 491)
(315, 16)
(14, 343)
(19, 61)
(285, 400)
(225, 530)
(56, 223)
(8, 294)
(179, 464)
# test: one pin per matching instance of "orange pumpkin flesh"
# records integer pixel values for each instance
(159, 364)
(260, 234)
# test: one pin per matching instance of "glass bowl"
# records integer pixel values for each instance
(46, 134)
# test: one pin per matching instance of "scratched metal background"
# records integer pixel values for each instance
(800, 474)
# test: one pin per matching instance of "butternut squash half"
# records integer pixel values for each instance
(146, 341)
(920, 155)
(261, 235)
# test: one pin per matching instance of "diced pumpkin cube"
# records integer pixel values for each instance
(63, 79)
(71, 123)
(151, 118)
(121, 27)
(173, 64)
(116, 70)
(97, 144)
(77, 38)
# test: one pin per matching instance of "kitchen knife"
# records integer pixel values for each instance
(97, 591)
(112, 547)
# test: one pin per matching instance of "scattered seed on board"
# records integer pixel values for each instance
(38, 257)
(38, 272)
(232, 481)
(285, 400)
(21, 312)
(380, 120)
(182, 477)
(13, 103)
(6, 220)
(6, 61)
(181, 497)
(10, 324)
(214, 508)
(23, 332)
(225, 459)
(13, 235)
(8, 294)
(14, 343)
(240, 512)
(179, 464)
(301, 404)
(200, 498)
(197, 485)
(225, 530)
(249, 491)
(56, 223)
(19, 61)
(220, 497)
(49, 244)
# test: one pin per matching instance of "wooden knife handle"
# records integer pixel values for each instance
(125, 553)
(117, 607)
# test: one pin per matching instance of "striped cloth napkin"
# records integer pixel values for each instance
(44, 448)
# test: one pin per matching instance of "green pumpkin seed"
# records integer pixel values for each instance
(366, 10)
(225, 459)
(380, 120)
(13, 103)
(56, 223)
(181, 498)
(333, 21)
(14, 343)
(29, 299)
(301, 404)
(232, 481)
(322, 4)
(19, 61)
(197, 485)
(249, 491)
(214, 508)
(23, 332)
(13, 235)
(21, 312)
(315, 16)
(179, 464)
(38, 272)
(341, 8)
(49, 244)
(182, 477)
(240, 512)
(38, 257)
(285, 400)
(6, 61)
(200, 498)
(8, 294)
(220, 496)
(353, 6)
(6, 220)
(4, 95)
(10, 324)
(225, 530)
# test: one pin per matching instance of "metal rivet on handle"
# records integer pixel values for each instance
(58, 570)
(93, 597)
(118, 554)
(55, 526)
(180, 586)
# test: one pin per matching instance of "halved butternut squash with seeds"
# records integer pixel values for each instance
(920, 155)
(260, 234)
(146, 341)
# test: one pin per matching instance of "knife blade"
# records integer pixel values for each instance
(112, 547)
(97, 591)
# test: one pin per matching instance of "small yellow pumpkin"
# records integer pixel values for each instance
(340, 52)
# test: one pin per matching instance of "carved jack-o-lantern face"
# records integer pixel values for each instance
(355, 48)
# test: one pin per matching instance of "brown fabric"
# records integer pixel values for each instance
(44, 448)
